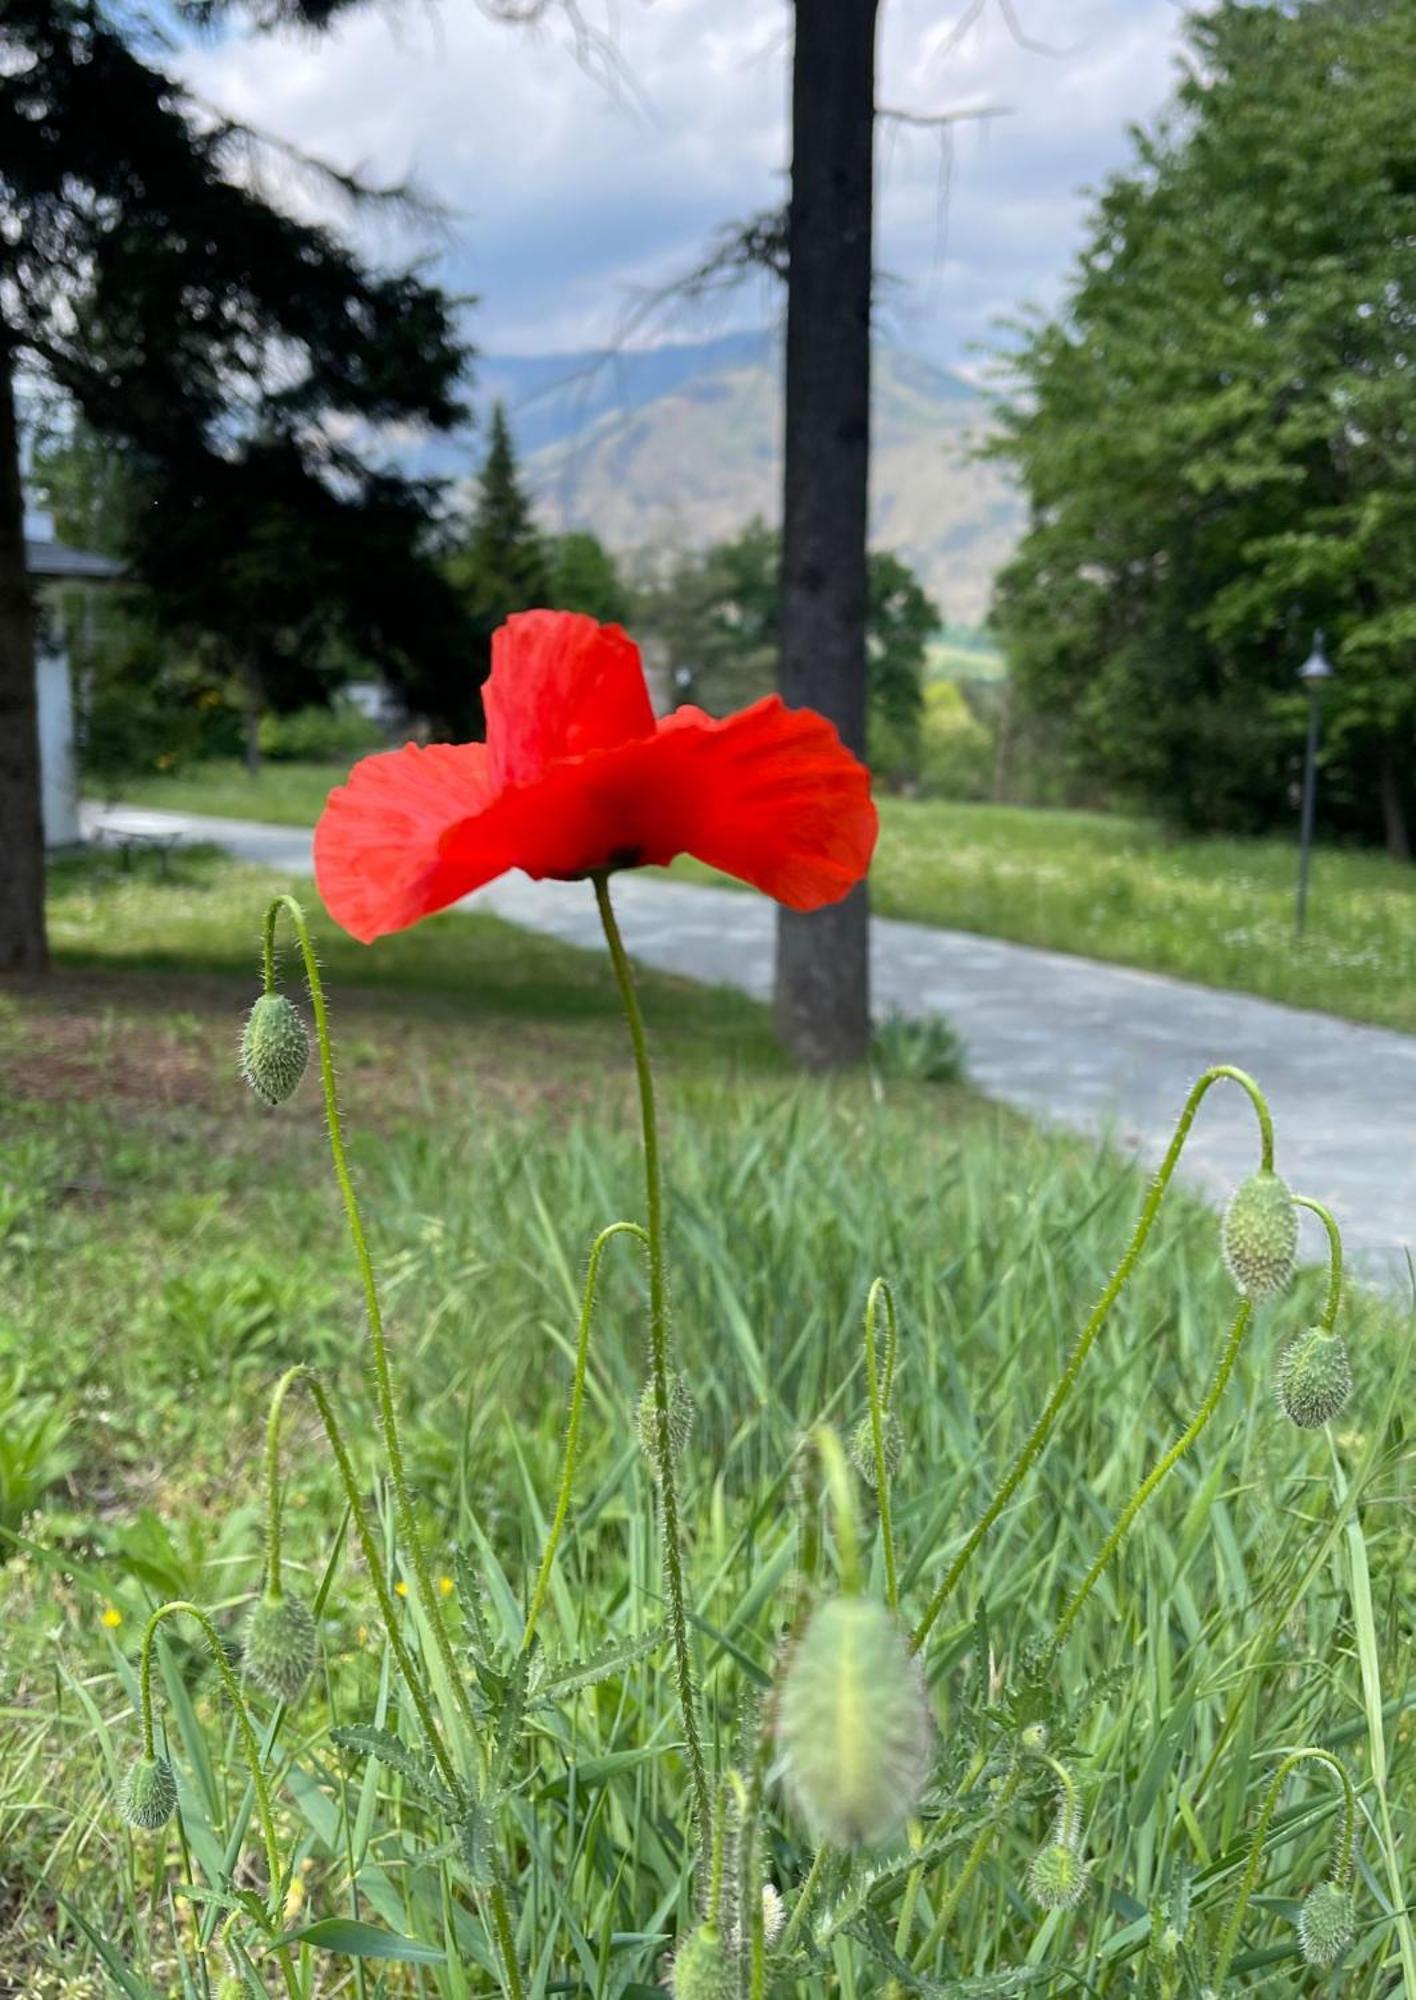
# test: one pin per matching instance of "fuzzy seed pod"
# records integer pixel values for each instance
(1314, 1378)
(1325, 1926)
(148, 1795)
(1260, 1235)
(892, 1436)
(774, 1914)
(280, 1646)
(853, 1724)
(702, 1969)
(275, 1048)
(1057, 1876)
(682, 1411)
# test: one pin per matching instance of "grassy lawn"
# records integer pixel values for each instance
(167, 1247)
(1216, 911)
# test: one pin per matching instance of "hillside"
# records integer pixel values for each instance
(680, 445)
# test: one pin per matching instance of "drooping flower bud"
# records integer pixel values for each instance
(275, 1048)
(892, 1437)
(853, 1724)
(148, 1796)
(1325, 1925)
(682, 1411)
(1260, 1235)
(702, 1969)
(1314, 1378)
(280, 1646)
(1058, 1876)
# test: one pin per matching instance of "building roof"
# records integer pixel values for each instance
(53, 562)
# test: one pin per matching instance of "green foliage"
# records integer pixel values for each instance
(925, 1051)
(582, 575)
(37, 1448)
(716, 615)
(336, 734)
(1216, 434)
(220, 345)
(502, 567)
(1235, 1621)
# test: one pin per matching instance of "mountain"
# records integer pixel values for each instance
(676, 446)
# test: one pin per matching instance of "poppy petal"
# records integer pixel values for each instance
(561, 686)
(770, 795)
(379, 861)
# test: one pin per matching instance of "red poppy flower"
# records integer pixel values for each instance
(576, 776)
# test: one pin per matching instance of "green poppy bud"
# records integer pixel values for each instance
(1314, 1378)
(702, 1969)
(148, 1796)
(280, 1646)
(892, 1437)
(1260, 1235)
(1325, 1926)
(853, 1724)
(1058, 1876)
(1033, 1739)
(275, 1048)
(682, 1411)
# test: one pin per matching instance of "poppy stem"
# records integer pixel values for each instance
(383, 1378)
(659, 1362)
(1042, 1429)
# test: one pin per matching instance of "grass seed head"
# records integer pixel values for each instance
(275, 1047)
(1260, 1235)
(280, 1646)
(148, 1796)
(853, 1724)
(1314, 1378)
(1058, 1876)
(1325, 1926)
(702, 1969)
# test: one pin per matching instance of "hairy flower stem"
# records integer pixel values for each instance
(572, 1428)
(1334, 1235)
(250, 1745)
(1153, 1478)
(1342, 1869)
(369, 1549)
(659, 1363)
(1042, 1429)
(806, 1896)
(879, 1408)
(973, 1861)
(383, 1381)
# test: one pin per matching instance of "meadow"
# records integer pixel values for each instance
(1219, 912)
(168, 1246)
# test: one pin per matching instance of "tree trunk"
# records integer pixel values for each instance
(252, 708)
(1394, 821)
(823, 960)
(23, 946)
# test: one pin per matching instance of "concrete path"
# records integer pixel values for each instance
(1096, 1047)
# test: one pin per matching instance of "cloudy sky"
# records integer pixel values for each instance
(570, 200)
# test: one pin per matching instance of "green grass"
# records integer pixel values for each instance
(285, 794)
(167, 1247)
(1219, 912)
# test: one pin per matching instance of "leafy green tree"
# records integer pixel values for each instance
(716, 618)
(1218, 434)
(582, 575)
(232, 352)
(502, 567)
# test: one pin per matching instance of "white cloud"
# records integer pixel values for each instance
(566, 197)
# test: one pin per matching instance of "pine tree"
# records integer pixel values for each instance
(231, 351)
(503, 567)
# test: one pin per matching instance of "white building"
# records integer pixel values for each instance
(55, 570)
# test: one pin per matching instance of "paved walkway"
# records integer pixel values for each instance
(1096, 1047)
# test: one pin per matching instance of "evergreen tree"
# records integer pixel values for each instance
(232, 352)
(503, 567)
(582, 575)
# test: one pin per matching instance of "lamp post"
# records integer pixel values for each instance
(1315, 672)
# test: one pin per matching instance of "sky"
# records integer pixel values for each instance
(570, 199)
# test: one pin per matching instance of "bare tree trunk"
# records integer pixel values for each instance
(1394, 821)
(23, 946)
(823, 960)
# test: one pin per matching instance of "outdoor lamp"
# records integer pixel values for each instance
(1316, 671)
